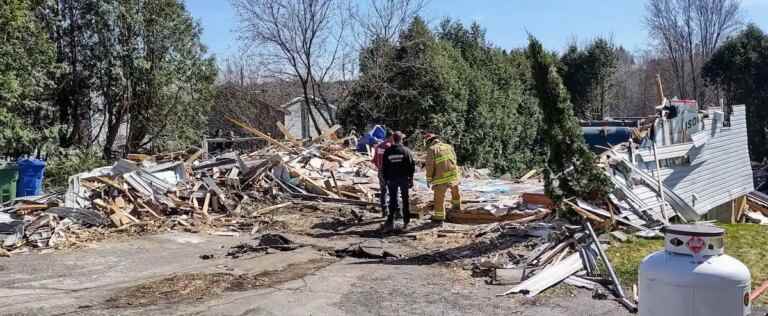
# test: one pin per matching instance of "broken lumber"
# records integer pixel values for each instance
(315, 197)
(548, 277)
(260, 134)
(286, 132)
(529, 174)
(193, 157)
(538, 198)
(335, 184)
(118, 216)
(227, 234)
(585, 213)
(327, 133)
(605, 214)
(270, 208)
(311, 184)
(206, 203)
(212, 186)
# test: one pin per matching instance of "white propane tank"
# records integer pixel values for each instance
(692, 276)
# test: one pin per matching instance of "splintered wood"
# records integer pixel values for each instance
(200, 191)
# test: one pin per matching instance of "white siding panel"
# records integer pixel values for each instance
(720, 169)
(665, 152)
(293, 121)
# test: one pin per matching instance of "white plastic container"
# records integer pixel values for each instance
(692, 276)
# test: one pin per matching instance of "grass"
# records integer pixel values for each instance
(746, 242)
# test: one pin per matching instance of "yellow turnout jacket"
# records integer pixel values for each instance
(442, 167)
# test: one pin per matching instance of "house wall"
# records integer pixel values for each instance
(293, 121)
(719, 170)
(98, 131)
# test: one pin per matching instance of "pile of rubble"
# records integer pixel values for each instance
(222, 195)
(232, 193)
(535, 253)
(552, 252)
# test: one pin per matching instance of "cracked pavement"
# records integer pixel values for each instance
(79, 281)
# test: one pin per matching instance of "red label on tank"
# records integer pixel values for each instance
(696, 244)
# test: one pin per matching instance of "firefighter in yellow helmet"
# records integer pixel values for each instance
(442, 174)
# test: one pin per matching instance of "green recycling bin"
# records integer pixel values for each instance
(9, 175)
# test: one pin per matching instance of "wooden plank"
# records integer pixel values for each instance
(311, 182)
(116, 185)
(529, 174)
(584, 213)
(231, 140)
(486, 218)
(620, 220)
(212, 186)
(349, 194)
(227, 234)
(206, 203)
(193, 157)
(138, 157)
(286, 132)
(368, 195)
(115, 210)
(740, 205)
(554, 252)
(327, 133)
(270, 208)
(148, 209)
(315, 197)
(538, 198)
(335, 184)
(111, 183)
(30, 207)
(548, 277)
(260, 134)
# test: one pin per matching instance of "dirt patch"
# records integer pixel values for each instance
(199, 286)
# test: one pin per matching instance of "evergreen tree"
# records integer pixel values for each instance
(452, 82)
(414, 77)
(571, 170)
(588, 74)
(26, 67)
(740, 68)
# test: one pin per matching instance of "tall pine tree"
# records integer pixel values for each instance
(571, 170)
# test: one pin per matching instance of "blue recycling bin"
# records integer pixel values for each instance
(31, 173)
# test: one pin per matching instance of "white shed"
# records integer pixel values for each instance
(298, 120)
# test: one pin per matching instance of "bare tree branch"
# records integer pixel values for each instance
(689, 32)
(303, 36)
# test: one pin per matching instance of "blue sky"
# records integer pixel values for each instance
(554, 22)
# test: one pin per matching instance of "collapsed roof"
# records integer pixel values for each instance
(692, 160)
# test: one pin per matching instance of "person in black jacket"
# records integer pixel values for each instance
(398, 169)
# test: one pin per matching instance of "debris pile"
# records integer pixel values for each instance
(222, 195)
(569, 254)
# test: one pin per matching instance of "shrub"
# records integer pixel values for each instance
(65, 163)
